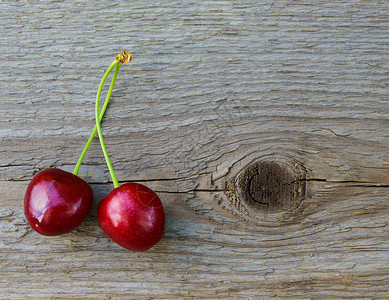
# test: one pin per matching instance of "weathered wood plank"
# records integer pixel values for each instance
(214, 87)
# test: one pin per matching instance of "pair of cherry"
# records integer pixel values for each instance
(57, 202)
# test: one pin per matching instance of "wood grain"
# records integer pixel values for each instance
(214, 87)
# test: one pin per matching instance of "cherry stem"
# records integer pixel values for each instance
(117, 64)
(124, 56)
(104, 108)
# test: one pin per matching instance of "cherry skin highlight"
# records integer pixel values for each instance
(56, 202)
(132, 215)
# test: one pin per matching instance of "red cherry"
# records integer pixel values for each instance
(56, 202)
(132, 215)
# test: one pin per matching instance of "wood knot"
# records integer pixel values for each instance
(270, 186)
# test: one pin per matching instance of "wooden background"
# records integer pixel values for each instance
(214, 87)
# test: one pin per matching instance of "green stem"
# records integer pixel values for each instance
(104, 108)
(116, 62)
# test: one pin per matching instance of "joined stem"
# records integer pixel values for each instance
(122, 57)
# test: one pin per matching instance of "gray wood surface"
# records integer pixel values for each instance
(214, 87)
